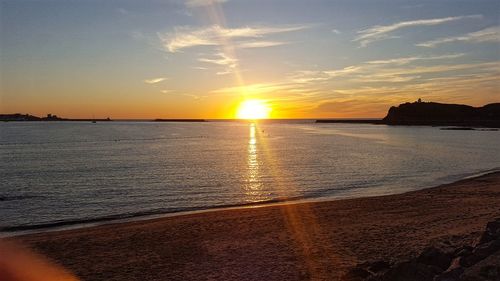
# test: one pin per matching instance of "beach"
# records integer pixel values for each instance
(292, 241)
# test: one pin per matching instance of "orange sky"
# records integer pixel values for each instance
(201, 59)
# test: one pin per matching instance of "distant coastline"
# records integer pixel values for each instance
(18, 117)
(50, 117)
(456, 116)
(434, 114)
(180, 120)
(352, 121)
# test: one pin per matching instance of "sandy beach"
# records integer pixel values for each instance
(306, 241)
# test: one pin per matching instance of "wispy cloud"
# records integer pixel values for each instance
(253, 89)
(187, 37)
(318, 76)
(407, 60)
(490, 34)
(381, 32)
(221, 59)
(172, 92)
(154, 80)
(260, 44)
(397, 70)
(485, 66)
(432, 88)
(223, 72)
(309, 76)
(336, 31)
(201, 3)
(351, 106)
(384, 78)
(343, 71)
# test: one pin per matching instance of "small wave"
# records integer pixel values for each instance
(132, 216)
(99, 141)
(464, 176)
(158, 213)
(16, 197)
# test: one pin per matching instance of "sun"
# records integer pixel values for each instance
(253, 109)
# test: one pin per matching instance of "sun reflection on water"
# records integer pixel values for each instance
(254, 186)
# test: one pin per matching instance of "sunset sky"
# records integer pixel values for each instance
(201, 58)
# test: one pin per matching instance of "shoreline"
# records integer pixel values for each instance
(301, 241)
(120, 219)
(14, 231)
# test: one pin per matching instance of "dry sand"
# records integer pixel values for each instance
(317, 241)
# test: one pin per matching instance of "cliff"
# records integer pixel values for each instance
(440, 114)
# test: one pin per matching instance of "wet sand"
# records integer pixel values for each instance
(305, 241)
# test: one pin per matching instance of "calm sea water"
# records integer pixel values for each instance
(69, 172)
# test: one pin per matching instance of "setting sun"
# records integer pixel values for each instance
(253, 109)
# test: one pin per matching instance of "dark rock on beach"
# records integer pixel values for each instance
(411, 271)
(357, 273)
(435, 257)
(466, 263)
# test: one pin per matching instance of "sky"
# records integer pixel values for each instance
(201, 58)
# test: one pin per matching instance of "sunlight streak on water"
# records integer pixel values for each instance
(54, 172)
(301, 223)
(253, 189)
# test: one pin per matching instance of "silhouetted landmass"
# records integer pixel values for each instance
(90, 120)
(28, 117)
(440, 114)
(468, 129)
(435, 114)
(49, 117)
(351, 121)
(180, 120)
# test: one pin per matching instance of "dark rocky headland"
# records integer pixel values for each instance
(441, 114)
(435, 114)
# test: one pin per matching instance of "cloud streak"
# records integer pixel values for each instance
(187, 37)
(407, 60)
(253, 89)
(490, 34)
(221, 59)
(260, 44)
(154, 80)
(381, 32)
(392, 70)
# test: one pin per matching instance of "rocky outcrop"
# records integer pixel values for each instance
(49, 117)
(477, 262)
(28, 117)
(19, 117)
(440, 114)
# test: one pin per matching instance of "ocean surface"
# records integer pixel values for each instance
(64, 173)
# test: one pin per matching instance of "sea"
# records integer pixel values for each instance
(73, 174)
